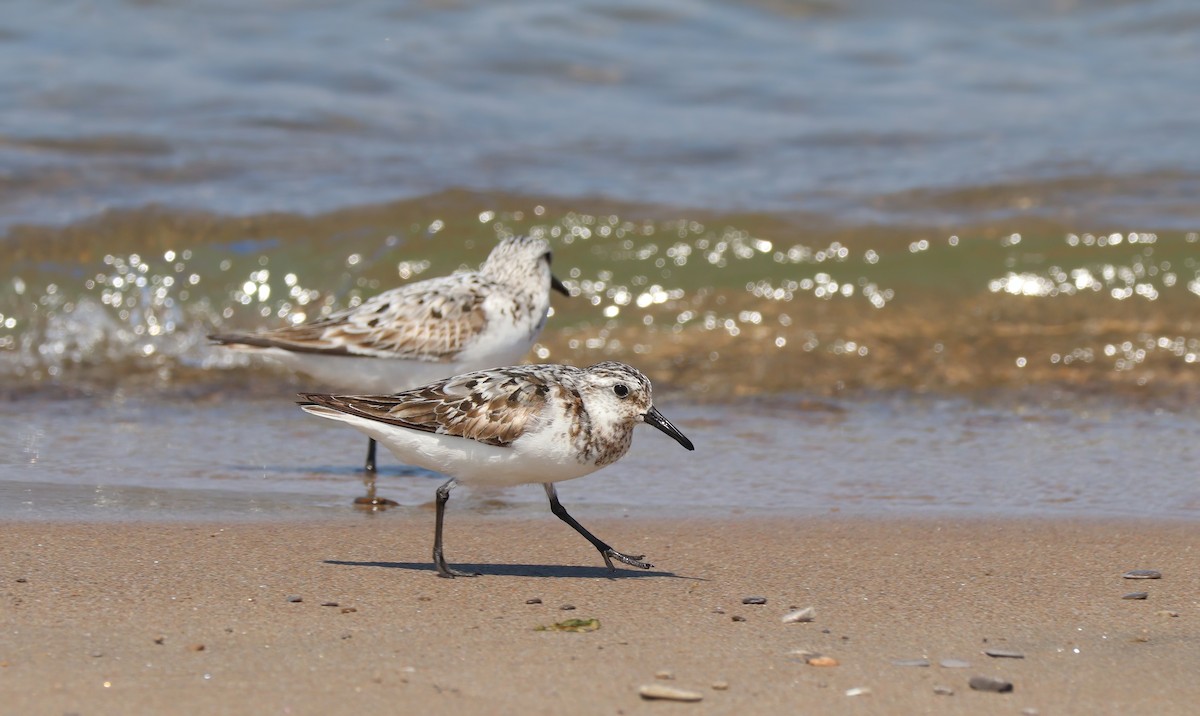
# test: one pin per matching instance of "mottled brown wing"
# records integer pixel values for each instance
(493, 407)
(432, 320)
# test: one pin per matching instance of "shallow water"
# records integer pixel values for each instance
(943, 258)
(718, 306)
(899, 457)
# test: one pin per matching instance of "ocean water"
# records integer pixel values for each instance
(863, 111)
(841, 238)
(264, 459)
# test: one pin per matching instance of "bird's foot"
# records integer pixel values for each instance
(445, 570)
(373, 502)
(448, 572)
(610, 554)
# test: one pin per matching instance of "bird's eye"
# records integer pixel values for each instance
(621, 390)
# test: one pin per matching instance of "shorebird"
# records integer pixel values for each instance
(509, 426)
(422, 331)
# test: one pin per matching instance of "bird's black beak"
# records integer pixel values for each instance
(559, 286)
(655, 418)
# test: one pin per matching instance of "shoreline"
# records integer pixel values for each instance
(196, 617)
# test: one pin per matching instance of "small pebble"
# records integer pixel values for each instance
(990, 683)
(329, 604)
(21, 580)
(349, 610)
(668, 693)
(1136, 595)
(567, 607)
(799, 616)
(1004, 654)
(1143, 574)
(754, 600)
(822, 661)
(911, 662)
(97, 654)
(720, 686)
(535, 600)
(718, 610)
(196, 647)
(954, 664)
(159, 640)
(858, 691)
(1030, 711)
(295, 598)
(1166, 613)
(738, 618)
(664, 675)
(943, 690)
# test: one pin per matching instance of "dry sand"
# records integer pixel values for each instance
(187, 618)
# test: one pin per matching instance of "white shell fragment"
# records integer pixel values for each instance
(806, 614)
(668, 693)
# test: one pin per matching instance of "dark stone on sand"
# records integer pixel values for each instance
(1143, 574)
(535, 600)
(1004, 654)
(754, 600)
(329, 604)
(568, 607)
(295, 598)
(910, 662)
(1136, 595)
(21, 580)
(990, 683)
(738, 618)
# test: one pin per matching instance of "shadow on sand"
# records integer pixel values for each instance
(520, 570)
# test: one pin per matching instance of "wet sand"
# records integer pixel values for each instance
(188, 618)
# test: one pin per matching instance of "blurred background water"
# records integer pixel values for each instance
(931, 111)
(992, 204)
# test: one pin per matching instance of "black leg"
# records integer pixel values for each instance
(369, 477)
(370, 464)
(608, 553)
(370, 501)
(439, 561)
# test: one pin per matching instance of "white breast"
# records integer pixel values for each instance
(533, 458)
(507, 336)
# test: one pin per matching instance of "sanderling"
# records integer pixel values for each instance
(509, 426)
(415, 334)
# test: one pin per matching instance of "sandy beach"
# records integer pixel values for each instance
(346, 616)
